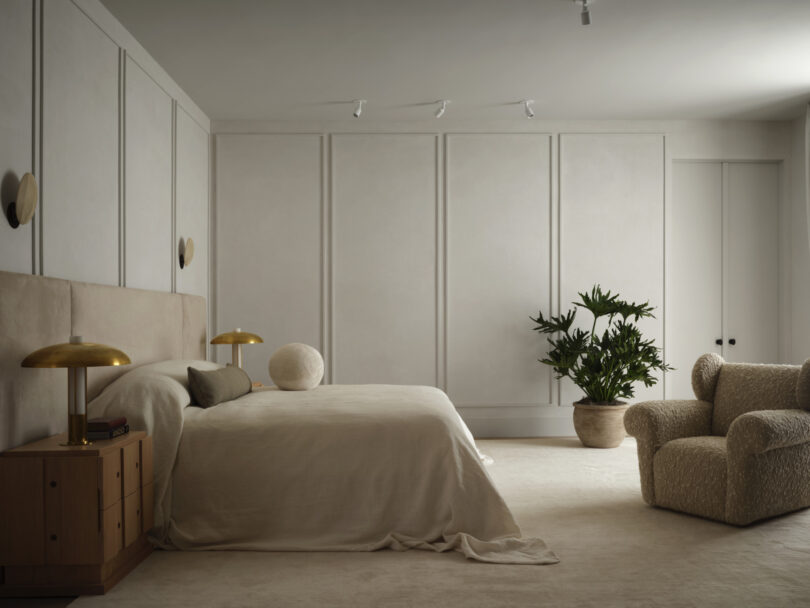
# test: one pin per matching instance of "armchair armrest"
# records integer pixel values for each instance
(764, 430)
(654, 423)
(657, 422)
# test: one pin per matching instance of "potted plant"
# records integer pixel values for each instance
(605, 366)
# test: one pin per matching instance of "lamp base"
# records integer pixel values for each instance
(77, 430)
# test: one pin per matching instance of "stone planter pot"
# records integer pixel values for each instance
(600, 426)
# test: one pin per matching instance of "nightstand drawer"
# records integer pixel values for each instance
(71, 510)
(132, 518)
(112, 523)
(72, 517)
(111, 489)
(132, 467)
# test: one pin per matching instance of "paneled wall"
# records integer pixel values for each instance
(120, 153)
(383, 262)
(270, 209)
(148, 186)
(498, 267)
(612, 227)
(16, 136)
(417, 257)
(191, 201)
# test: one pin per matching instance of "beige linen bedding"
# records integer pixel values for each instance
(337, 468)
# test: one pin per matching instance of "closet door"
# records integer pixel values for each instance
(751, 300)
(694, 271)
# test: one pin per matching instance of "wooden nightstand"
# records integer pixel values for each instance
(73, 520)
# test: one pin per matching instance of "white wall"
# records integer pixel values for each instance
(120, 170)
(799, 225)
(16, 123)
(437, 245)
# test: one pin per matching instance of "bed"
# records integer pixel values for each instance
(348, 468)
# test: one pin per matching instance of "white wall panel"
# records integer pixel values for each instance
(268, 219)
(148, 182)
(384, 220)
(612, 227)
(191, 203)
(751, 301)
(16, 47)
(80, 148)
(694, 271)
(498, 267)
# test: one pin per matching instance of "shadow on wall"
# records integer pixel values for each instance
(8, 189)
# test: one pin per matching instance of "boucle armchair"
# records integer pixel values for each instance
(738, 453)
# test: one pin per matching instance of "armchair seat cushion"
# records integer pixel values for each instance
(691, 475)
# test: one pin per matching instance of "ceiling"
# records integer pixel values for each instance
(639, 59)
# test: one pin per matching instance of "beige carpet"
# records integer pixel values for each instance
(585, 503)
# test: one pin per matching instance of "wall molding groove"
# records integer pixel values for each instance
(441, 261)
(330, 296)
(122, 129)
(173, 249)
(39, 121)
(326, 253)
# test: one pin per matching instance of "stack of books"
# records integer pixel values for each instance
(106, 428)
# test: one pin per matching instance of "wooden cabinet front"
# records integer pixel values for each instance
(73, 519)
(72, 534)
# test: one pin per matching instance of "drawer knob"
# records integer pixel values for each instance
(119, 524)
(117, 474)
(53, 484)
(136, 465)
(53, 536)
(137, 511)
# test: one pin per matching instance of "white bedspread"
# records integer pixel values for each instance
(337, 468)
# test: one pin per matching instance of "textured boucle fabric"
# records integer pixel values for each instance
(704, 375)
(654, 423)
(803, 387)
(758, 432)
(755, 463)
(690, 475)
(745, 387)
(767, 484)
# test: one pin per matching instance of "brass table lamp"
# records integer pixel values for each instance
(76, 356)
(237, 338)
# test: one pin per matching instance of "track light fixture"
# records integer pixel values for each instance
(442, 108)
(527, 107)
(585, 15)
(358, 108)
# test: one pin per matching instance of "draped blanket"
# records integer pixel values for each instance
(337, 468)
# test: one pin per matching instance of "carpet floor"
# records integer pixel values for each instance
(585, 503)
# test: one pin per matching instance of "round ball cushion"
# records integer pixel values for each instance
(705, 374)
(296, 367)
(803, 387)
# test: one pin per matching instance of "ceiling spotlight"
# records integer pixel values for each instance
(585, 15)
(527, 107)
(442, 108)
(358, 108)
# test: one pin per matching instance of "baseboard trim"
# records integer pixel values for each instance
(518, 420)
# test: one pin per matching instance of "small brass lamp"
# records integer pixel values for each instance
(76, 356)
(237, 338)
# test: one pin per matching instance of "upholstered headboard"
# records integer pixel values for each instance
(39, 311)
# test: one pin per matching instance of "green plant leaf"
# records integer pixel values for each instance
(606, 366)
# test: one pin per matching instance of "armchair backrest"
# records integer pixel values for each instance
(738, 388)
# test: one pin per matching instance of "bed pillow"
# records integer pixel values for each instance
(213, 387)
(296, 367)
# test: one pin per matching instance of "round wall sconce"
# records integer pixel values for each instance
(186, 251)
(22, 210)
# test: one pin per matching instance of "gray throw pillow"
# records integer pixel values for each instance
(216, 386)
